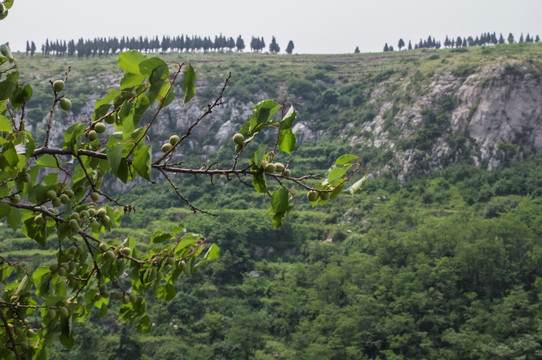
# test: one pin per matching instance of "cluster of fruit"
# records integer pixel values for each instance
(64, 102)
(313, 195)
(173, 140)
(270, 168)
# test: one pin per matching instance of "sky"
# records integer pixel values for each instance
(315, 26)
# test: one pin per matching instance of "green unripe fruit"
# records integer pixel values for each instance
(73, 250)
(312, 196)
(75, 216)
(14, 199)
(39, 220)
(174, 139)
(56, 202)
(62, 271)
(64, 198)
(238, 148)
(53, 267)
(70, 193)
(109, 255)
(106, 220)
(95, 196)
(100, 127)
(31, 332)
(80, 251)
(270, 168)
(65, 104)
(64, 312)
(91, 212)
(118, 296)
(103, 247)
(126, 251)
(279, 167)
(97, 296)
(324, 195)
(27, 178)
(170, 261)
(83, 214)
(103, 288)
(166, 147)
(51, 314)
(110, 119)
(101, 212)
(72, 265)
(133, 298)
(58, 85)
(125, 299)
(74, 225)
(105, 294)
(51, 194)
(92, 135)
(238, 138)
(287, 172)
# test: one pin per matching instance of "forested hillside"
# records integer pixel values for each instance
(437, 258)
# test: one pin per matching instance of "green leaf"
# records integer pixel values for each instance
(289, 118)
(189, 86)
(129, 61)
(345, 159)
(9, 155)
(20, 96)
(258, 181)
(212, 253)
(38, 275)
(279, 200)
(336, 173)
(39, 233)
(72, 136)
(147, 67)
(159, 74)
(14, 218)
(129, 80)
(47, 161)
(144, 324)
(287, 141)
(115, 156)
(50, 179)
(142, 162)
(160, 236)
(8, 4)
(166, 292)
(257, 156)
(8, 86)
(5, 124)
(260, 118)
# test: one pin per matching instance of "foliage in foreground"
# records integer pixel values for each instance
(54, 192)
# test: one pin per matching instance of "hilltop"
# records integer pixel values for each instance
(407, 113)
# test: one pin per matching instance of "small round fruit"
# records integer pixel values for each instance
(70, 193)
(64, 312)
(106, 220)
(133, 298)
(279, 167)
(174, 139)
(102, 288)
(126, 251)
(56, 202)
(97, 296)
(109, 255)
(75, 216)
(53, 267)
(100, 127)
(95, 196)
(103, 247)
(166, 147)
(170, 261)
(51, 194)
(324, 195)
(312, 196)
(287, 172)
(58, 85)
(65, 104)
(14, 199)
(238, 138)
(125, 299)
(238, 148)
(39, 220)
(91, 212)
(118, 296)
(92, 135)
(101, 212)
(27, 178)
(64, 198)
(83, 214)
(270, 168)
(110, 119)
(51, 314)
(105, 294)
(74, 225)
(62, 271)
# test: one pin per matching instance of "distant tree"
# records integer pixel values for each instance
(528, 38)
(274, 47)
(391, 48)
(27, 47)
(32, 48)
(356, 50)
(501, 39)
(400, 44)
(521, 39)
(537, 38)
(240, 43)
(447, 42)
(290, 47)
(262, 44)
(510, 38)
(386, 48)
(409, 45)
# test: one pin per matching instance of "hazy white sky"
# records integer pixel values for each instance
(315, 26)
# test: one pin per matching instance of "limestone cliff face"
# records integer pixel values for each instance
(491, 116)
